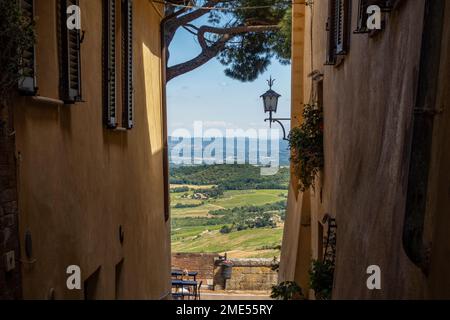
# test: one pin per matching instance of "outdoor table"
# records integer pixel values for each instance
(179, 273)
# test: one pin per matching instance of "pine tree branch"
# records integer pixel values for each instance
(211, 51)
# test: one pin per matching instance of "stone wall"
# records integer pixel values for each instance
(252, 274)
(10, 284)
(247, 274)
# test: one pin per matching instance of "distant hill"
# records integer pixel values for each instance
(229, 177)
(251, 147)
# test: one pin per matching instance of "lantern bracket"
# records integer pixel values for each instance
(271, 119)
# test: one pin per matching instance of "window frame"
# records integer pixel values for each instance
(111, 72)
(338, 29)
(386, 6)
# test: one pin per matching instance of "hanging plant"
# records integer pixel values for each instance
(306, 144)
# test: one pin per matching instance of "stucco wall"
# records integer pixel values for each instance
(292, 227)
(368, 106)
(79, 182)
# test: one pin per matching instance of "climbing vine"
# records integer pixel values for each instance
(321, 274)
(16, 35)
(306, 143)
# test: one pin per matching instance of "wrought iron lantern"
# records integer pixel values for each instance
(270, 99)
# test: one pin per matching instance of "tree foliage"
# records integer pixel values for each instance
(229, 177)
(245, 35)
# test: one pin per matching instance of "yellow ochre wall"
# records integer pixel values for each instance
(368, 107)
(295, 254)
(78, 182)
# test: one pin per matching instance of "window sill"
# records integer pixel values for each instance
(47, 100)
(120, 129)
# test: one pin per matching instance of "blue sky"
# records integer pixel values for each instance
(207, 95)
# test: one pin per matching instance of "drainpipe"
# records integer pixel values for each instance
(421, 144)
(164, 116)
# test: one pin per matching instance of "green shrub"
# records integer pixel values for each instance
(321, 279)
(287, 290)
(225, 230)
(187, 205)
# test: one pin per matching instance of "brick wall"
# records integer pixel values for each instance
(203, 263)
(10, 282)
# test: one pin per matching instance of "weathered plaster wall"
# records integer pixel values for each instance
(368, 107)
(10, 281)
(79, 182)
(293, 228)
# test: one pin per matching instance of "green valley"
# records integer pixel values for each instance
(228, 208)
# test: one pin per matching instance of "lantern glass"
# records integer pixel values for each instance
(270, 99)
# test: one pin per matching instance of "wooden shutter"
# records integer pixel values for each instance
(331, 56)
(385, 5)
(109, 58)
(127, 63)
(70, 55)
(27, 80)
(341, 23)
(362, 17)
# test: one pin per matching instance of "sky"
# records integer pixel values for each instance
(207, 95)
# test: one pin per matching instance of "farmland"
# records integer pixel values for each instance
(209, 216)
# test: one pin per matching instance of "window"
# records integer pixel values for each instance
(119, 280)
(69, 55)
(338, 29)
(362, 17)
(91, 286)
(27, 80)
(118, 64)
(320, 241)
(385, 6)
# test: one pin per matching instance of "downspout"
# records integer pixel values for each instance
(421, 144)
(164, 116)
